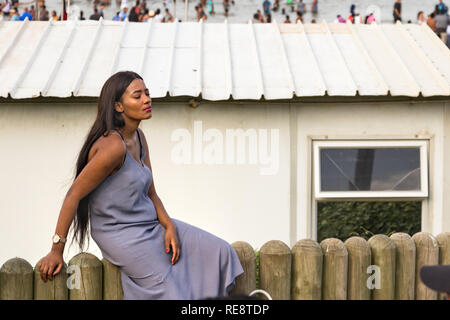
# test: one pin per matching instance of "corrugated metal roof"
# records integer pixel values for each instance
(219, 60)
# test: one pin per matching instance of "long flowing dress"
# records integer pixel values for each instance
(125, 226)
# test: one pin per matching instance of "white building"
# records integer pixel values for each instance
(278, 92)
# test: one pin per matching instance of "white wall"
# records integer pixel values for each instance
(371, 120)
(40, 142)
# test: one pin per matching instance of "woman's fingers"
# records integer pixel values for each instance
(44, 273)
(167, 244)
(176, 251)
(50, 271)
(57, 269)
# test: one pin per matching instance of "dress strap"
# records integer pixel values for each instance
(140, 143)
(124, 143)
(119, 134)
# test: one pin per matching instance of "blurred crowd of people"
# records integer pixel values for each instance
(140, 13)
(300, 8)
(438, 20)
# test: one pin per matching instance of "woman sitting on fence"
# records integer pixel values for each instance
(114, 190)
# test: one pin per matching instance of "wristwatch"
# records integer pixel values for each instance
(57, 239)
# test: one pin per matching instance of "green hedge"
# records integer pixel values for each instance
(344, 219)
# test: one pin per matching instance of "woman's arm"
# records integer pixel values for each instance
(170, 237)
(163, 217)
(108, 156)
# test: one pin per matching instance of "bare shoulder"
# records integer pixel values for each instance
(111, 144)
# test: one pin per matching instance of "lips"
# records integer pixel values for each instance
(148, 109)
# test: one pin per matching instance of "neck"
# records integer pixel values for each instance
(129, 129)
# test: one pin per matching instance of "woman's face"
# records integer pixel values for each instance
(136, 102)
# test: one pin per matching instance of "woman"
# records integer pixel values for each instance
(421, 18)
(159, 257)
(54, 16)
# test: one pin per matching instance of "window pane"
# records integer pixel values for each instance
(370, 169)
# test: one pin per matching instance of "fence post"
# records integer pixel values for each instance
(443, 240)
(427, 253)
(16, 280)
(55, 289)
(275, 269)
(307, 262)
(335, 268)
(246, 282)
(89, 279)
(383, 256)
(405, 266)
(112, 281)
(359, 259)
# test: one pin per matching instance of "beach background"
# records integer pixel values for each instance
(242, 11)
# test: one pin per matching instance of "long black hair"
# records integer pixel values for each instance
(107, 119)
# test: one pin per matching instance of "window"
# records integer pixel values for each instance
(370, 169)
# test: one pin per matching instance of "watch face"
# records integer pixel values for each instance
(55, 238)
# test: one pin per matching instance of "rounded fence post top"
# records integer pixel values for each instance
(357, 243)
(424, 239)
(242, 245)
(404, 241)
(307, 244)
(331, 245)
(243, 248)
(401, 236)
(16, 266)
(443, 237)
(85, 259)
(381, 241)
(275, 247)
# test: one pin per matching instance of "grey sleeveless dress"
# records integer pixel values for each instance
(125, 226)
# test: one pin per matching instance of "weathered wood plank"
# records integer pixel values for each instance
(275, 269)
(246, 282)
(16, 280)
(307, 263)
(359, 259)
(335, 268)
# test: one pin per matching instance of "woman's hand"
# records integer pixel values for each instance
(171, 240)
(52, 260)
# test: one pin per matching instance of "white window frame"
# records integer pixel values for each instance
(328, 195)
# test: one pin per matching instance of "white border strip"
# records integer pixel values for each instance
(323, 144)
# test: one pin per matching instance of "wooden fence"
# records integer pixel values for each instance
(331, 270)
